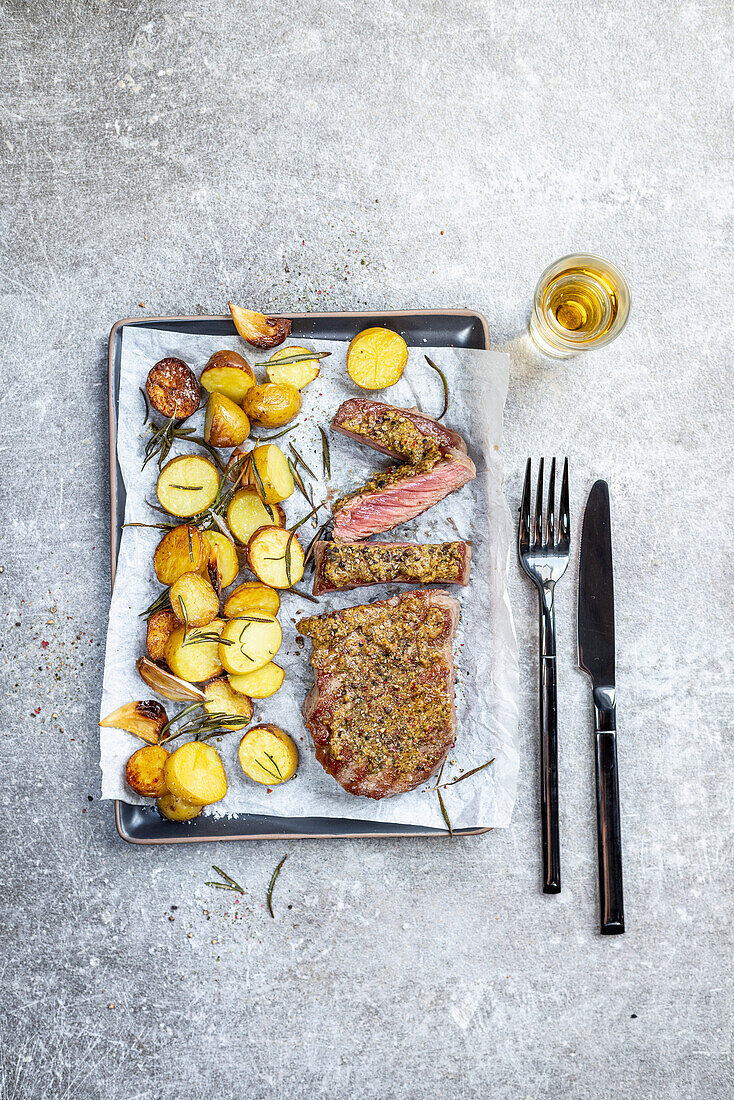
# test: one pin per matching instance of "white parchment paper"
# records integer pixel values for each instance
(486, 647)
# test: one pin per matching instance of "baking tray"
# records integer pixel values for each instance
(432, 328)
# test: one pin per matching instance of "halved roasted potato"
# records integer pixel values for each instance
(180, 551)
(225, 424)
(259, 330)
(273, 404)
(222, 699)
(251, 596)
(172, 388)
(176, 809)
(246, 512)
(187, 485)
(161, 626)
(268, 755)
(195, 658)
(193, 600)
(223, 565)
(144, 771)
(268, 473)
(294, 374)
(166, 683)
(144, 719)
(260, 684)
(229, 373)
(376, 358)
(276, 557)
(253, 639)
(195, 773)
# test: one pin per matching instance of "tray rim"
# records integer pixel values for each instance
(114, 544)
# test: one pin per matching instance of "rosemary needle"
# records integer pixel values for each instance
(298, 458)
(325, 453)
(453, 782)
(442, 376)
(274, 876)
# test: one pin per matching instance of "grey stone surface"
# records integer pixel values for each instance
(338, 156)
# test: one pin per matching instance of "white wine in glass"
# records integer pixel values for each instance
(581, 302)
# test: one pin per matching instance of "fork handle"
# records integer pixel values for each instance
(551, 843)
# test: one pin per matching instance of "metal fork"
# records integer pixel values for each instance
(543, 549)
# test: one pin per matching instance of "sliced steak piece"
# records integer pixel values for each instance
(402, 433)
(381, 712)
(340, 565)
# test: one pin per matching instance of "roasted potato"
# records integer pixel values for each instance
(176, 809)
(268, 473)
(172, 388)
(187, 485)
(166, 683)
(275, 556)
(246, 512)
(294, 374)
(254, 640)
(259, 330)
(195, 659)
(144, 771)
(229, 373)
(222, 699)
(223, 565)
(261, 684)
(161, 626)
(193, 600)
(195, 773)
(273, 404)
(251, 596)
(268, 755)
(376, 358)
(225, 424)
(180, 551)
(143, 719)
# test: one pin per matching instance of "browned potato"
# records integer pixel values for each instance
(187, 485)
(269, 474)
(295, 374)
(272, 404)
(144, 719)
(221, 699)
(193, 600)
(172, 388)
(223, 564)
(253, 639)
(246, 512)
(225, 424)
(268, 755)
(251, 596)
(260, 684)
(276, 557)
(195, 658)
(259, 330)
(195, 773)
(229, 373)
(144, 771)
(161, 626)
(176, 809)
(180, 551)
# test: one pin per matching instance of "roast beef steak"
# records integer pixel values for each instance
(339, 565)
(402, 433)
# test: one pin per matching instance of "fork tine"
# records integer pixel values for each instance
(564, 535)
(539, 507)
(523, 538)
(550, 518)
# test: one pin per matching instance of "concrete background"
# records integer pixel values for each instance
(338, 156)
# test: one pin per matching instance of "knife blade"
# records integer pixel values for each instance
(596, 657)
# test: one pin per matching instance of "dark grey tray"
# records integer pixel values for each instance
(437, 328)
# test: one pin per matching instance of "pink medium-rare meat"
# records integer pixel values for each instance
(402, 433)
(341, 565)
(381, 713)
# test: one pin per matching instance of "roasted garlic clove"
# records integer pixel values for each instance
(143, 719)
(259, 330)
(166, 684)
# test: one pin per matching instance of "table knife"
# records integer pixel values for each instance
(596, 657)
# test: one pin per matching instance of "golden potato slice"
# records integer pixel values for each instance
(187, 485)
(376, 358)
(195, 658)
(251, 596)
(295, 374)
(225, 424)
(223, 565)
(260, 684)
(144, 771)
(222, 699)
(273, 404)
(193, 600)
(144, 719)
(246, 512)
(180, 551)
(176, 809)
(259, 330)
(268, 473)
(276, 557)
(229, 373)
(253, 639)
(165, 683)
(172, 388)
(161, 626)
(195, 773)
(268, 755)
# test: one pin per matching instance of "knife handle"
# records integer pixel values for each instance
(551, 843)
(609, 834)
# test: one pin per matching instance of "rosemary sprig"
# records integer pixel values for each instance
(298, 357)
(228, 883)
(271, 884)
(460, 778)
(298, 458)
(298, 479)
(256, 474)
(277, 774)
(312, 544)
(325, 453)
(188, 488)
(444, 812)
(304, 595)
(160, 526)
(157, 605)
(277, 435)
(442, 376)
(147, 405)
(202, 728)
